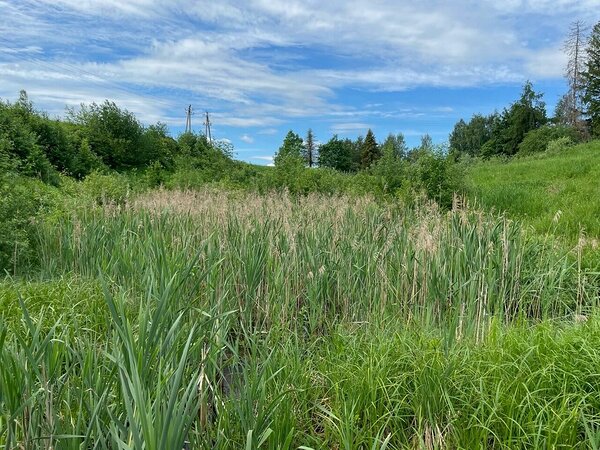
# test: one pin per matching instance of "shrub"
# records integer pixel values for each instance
(114, 134)
(559, 145)
(536, 141)
(437, 176)
(106, 188)
(155, 175)
(23, 203)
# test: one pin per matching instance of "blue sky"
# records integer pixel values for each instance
(262, 67)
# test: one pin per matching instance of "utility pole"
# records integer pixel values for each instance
(207, 128)
(188, 119)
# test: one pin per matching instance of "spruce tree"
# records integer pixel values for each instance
(591, 78)
(370, 151)
(310, 150)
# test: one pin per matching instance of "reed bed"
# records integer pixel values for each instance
(231, 320)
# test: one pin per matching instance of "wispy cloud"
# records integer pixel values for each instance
(342, 128)
(263, 158)
(263, 64)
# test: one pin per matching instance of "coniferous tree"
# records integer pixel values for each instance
(370, 151)
(591, 80)
(574, 48)
(310, 149)
(426, 143)
(426, 147)
(526, 114)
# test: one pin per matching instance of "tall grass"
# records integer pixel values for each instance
(555, 193)
(244, 321)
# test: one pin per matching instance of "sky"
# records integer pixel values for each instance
(263, 67)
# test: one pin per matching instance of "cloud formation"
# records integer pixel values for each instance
(260, 63)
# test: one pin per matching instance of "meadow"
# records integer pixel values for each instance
(215, 319)
(555, 193)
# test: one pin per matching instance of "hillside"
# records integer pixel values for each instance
(554, 193)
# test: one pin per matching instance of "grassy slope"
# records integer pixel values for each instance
(557, 193)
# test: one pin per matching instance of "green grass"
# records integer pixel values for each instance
(555, 193)
(234, 320)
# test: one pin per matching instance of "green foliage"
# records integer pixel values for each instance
(290, 152)
(563, 113)
(437, 175)
(19, 148)
(469, 138)
(526, 114)
(85, 161)
(338, 154)
(234, 320)
(560, 145)
(289, 168)
(155, 175)
(536, 141)
(193, 145)
(160, 147)
(391, 167)
(114, 134)
(591, 79)
(214, 168)
(395, 145)
(499, 134)
(24, 202)
(369, 150)
(558, 194)
(106, 189)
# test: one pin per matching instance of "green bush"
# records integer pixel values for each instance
(23, 203)
(19, 147)
(155, 175)
(106, 188)
(536, 141)
(559, 145)
(436, 175)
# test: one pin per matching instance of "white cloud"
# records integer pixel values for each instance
(240, 59)
(350, 127)
(268, 159)
(547, 63)
(263, 158)
(247, 139)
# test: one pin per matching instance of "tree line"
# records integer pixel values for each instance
(524, 126)
(95, 137)
(101, 137)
